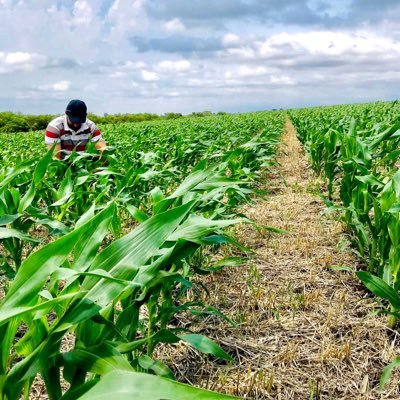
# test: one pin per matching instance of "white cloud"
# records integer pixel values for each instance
(118, 74)
(246, 71)
(173, 66)
(228, 75)
(82, 12)
(94, 44)
(291, 48)
(20, 61)
(329, 43)
(196, 82)
(133, 65)
(231, 40)
(326, 59)
(123, 69)
(125, 17)
(149, 76)
(52, 9)
(173, 94)
(18, 57)
(61, 86)
(282, 80)
(174, 25)
(245, 53)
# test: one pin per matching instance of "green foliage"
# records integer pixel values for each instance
(122, 118)
(356, 148)
(172, 115)
(114, 283)
(201, 114)
(12, 123)
(15, 122)
(130, 385)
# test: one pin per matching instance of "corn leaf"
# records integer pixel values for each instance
(379, 287)
(123, 385)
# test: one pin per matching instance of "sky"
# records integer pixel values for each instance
(134, 56)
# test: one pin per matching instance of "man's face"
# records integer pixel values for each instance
(73, 125)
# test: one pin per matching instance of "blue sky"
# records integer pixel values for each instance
(123, 56)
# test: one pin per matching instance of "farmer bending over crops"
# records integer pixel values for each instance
(73, 131)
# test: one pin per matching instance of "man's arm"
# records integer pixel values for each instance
(100, 145)
(56, 151)
(97, 139)
(52, 138)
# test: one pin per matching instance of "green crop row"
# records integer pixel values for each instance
(126, 232)
(357, 149)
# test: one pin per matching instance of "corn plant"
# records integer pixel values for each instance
(133, 271)
(118, 297)
(359, 152)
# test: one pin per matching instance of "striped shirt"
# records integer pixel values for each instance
(59, 132)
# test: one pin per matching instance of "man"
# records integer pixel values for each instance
(73, 131)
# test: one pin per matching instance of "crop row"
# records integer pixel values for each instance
(357, 149)
(126, 235)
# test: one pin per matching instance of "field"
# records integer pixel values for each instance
(196, 249)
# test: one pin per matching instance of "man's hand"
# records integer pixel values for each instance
(56, 151)
(100, 146)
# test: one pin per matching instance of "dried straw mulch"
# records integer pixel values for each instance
(305, 330)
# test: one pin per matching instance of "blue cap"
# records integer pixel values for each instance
(76, 111)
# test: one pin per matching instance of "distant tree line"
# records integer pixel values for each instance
(14, 122)
(11, 122)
